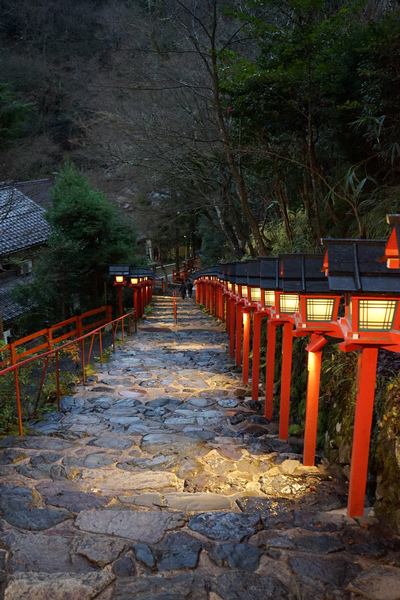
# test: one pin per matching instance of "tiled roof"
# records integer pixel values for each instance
(10, 309)
(37, 190)
(22, 222)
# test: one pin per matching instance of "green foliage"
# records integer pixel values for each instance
(13, 113)
(387, 457)
(87, 236)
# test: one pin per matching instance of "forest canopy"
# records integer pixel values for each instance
(264, 125)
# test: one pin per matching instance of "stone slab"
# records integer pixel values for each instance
(145, 527)
(59, 586)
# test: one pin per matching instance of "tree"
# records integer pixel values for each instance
(87, 236)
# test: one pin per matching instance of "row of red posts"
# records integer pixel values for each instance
(304, 293)
(141, 282)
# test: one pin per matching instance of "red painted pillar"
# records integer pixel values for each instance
(222, 305)
(270, 371)
(255, 377)
(239, 322)
(120, 300)
(362, 431)
(286, 379)
(232, 311)
(246, 345)
(310, 434)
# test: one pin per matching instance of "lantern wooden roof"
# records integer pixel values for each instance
(353, 266)
(302, 274)
(248, 272)
(392, 248)
(119, 270)
(270, 273)
(140, 272)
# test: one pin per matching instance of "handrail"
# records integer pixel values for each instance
(48, 333)
(14, 367)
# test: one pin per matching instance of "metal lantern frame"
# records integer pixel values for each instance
(354, 268)
(120, 274)
(316, 317)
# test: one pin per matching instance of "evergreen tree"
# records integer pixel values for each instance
(87, 236)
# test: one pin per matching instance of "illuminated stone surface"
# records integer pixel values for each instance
(171, 481)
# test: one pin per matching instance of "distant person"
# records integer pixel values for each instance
(189, 287)
(182, 289)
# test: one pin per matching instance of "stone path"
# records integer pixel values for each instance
(160, 480)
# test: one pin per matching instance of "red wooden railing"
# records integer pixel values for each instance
(51, 338)
(55, 352)
(159, 282)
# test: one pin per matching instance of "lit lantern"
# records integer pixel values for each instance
(120, 274)
(271, 286)
(307, 294)
(370, 322)
(248, 276)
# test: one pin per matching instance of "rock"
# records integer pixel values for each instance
(333, 570)
(289, 466)
(114, 442)
(146, 527)
(124, 567)
(69, 402)
(236, 556)
(10, 456)
(116, 482)
(254, 405)
(204, 502)
(44, 553)
(159, 442)
(62, 472)
(304, 541)
(144, 555)
(65, 495)
(378, 583)
(98, 549)
(230, 527)
(151, 588)
(58, 586)
(282, 486)
(35, 519)
(249, 587)
(238, 418)
(228, 402)
(178, 550)
(15, 498)
(45, 443)
(147, 500)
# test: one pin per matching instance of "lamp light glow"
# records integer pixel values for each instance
(269, 298)
(255, 294)
(289, 303)
(319, 309)
(134, 280)
(244, 291)
(376, 315)
(119, 279)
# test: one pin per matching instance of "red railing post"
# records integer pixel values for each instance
(58, 382)
(14, 362)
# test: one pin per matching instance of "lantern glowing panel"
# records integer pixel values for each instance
(244, 291)
(269, 298)
(289, 303)
(319, 309)
(255, 294)
(376, 315)
(119, 279)
(134, 280)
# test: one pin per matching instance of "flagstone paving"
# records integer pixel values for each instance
(161, 480)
